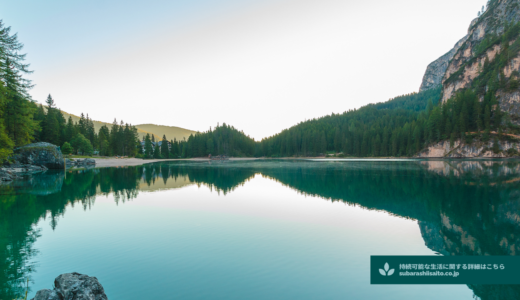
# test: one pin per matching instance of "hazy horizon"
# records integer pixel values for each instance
(261, 66)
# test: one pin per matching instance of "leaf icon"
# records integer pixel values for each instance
(387, 267)
(382, 272)
(391, 272)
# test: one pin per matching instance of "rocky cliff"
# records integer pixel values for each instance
(473, 150)
(489, 59)
(435, 71)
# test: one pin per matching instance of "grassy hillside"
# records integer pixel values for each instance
(171, 132)
(157, 130)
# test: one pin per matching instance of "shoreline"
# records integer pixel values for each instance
(127, 162)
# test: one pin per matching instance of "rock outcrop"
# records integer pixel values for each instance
(435, 71)
(73, 286)
(39, 154)
(86, 161)
(473, 150)
(468, 61)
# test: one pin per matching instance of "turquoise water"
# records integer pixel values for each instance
(257, 230)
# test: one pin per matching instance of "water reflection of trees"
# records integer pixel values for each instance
(21, 208)
(463, 207)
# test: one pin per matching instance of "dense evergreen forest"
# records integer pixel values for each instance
(22, 121)
(401, 126)
(222, 140)
(407, 124)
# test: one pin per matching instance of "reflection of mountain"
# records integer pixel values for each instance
(463, 207)
(492, 170)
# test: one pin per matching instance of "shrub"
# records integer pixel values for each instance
(81, 143)
(66, 148)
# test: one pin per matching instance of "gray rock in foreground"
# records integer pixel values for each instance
(40, 154)
(73, 286)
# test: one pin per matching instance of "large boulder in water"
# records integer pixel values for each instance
(73, 286)
(40, 154)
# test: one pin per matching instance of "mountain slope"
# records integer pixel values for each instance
(435, 71)
(171, 132)
(488, 62)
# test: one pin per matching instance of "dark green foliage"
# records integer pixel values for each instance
(66, 148)
(103, 141)
(399, 127)
(165, 150)
(82, 145)
(414, 101)
(22, 121)
(148, 146)
(157, 151)
(16, 108)
(223, 140)
(174, 149)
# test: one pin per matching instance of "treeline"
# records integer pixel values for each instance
(393, 128)
(407, 124)
(22, 121)
(414, 101)
(222, 140)
(369, 132)
(81, 137)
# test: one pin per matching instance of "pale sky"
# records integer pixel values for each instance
(259, 65)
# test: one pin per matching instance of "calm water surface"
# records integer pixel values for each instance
(259, 229)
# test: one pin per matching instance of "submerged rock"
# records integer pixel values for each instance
(39, 154)
(73, 286)
(46, 295)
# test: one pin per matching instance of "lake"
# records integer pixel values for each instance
(265, 229)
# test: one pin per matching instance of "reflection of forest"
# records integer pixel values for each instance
(463, 207)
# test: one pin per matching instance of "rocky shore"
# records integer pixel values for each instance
(73, 286)
(37, 158)
(444, 149)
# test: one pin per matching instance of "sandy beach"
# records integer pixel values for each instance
(122, 162)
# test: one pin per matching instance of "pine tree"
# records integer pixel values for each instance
(6, 144)
(497, 117)
(209, 146)
(487, 117)
(417, 138)
(114, 139)
(165, 150)
(148, 147)
(51, 128)
(39, 118)
(462, 125)
(50, 102)
(447, 130)
(377, 146)
(69, 130)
